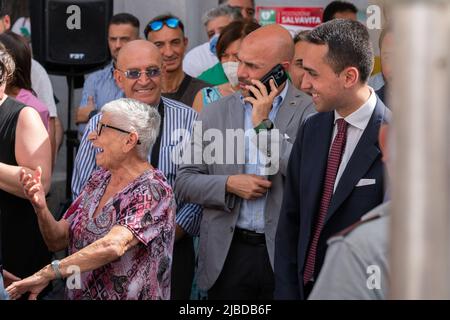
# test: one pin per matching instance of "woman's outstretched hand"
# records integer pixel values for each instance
(33, 188)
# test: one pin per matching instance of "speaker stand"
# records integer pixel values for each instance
(72, 141)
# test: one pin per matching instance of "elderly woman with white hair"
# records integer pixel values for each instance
(120, 230)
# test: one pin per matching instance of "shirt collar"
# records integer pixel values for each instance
(110, 68)
(280, 98)
(360, 118)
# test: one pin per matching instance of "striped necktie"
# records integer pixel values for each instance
(334, 160)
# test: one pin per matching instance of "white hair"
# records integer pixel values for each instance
(221, 11)
(134, 116)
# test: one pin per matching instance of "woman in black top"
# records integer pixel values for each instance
(24, 143)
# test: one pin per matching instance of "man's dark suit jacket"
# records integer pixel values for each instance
(303, 190)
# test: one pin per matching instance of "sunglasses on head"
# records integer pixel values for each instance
(158, 24)
(136, 74)
(100, 127)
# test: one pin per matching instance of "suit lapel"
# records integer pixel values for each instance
(366, 152)
(236, 121)
(288, 109)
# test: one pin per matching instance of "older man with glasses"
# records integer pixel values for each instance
(100, 86)
(167, 33)
(138, 74)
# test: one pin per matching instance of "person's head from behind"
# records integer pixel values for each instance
(228, 46)
(296, 70)
(339, 10)
(246, 7)
(5, 19)
(338, 61)
(167, 33)
(123, 28)
(138, 71)
(386, 45)
(7, 68)
(216, 19)
(127, 130)
(261, 51)
(20, 51)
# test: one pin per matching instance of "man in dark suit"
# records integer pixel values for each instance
(335, 173)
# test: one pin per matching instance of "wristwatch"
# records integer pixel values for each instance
(266, 124)
(55, 267)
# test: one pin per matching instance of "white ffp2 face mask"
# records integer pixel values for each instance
(230, 68)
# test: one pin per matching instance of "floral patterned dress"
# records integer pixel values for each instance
(146, 207)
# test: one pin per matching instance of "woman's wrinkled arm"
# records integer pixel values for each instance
(103, 251)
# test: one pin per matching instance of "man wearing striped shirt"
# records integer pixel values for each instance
(100, 87)
(138, 74)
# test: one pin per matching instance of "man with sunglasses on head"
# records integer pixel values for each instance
(100, 87)
(138, 74)
(167, 33)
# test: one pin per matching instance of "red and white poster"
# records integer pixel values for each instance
(292, 18)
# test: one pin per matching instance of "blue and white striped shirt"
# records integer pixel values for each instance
(176, 116)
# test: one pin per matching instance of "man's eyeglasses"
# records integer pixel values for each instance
(100, 127)
(159, 24)
(136, 74)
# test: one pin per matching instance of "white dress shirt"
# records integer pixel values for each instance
(357, 123)
(40, 82)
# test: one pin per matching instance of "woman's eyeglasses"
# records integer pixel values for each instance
(100, 127)
(136, 74)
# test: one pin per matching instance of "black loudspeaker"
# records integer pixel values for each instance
(69, 37)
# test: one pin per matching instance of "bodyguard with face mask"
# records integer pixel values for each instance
(227, 48)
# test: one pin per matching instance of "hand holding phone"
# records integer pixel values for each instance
(262, 105)
(279, 76)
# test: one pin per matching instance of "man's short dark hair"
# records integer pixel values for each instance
(348, 45)
(15, 9)
(124, 18)
(301, 36)
(2, 9)
(337, 6)
(162, 17)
